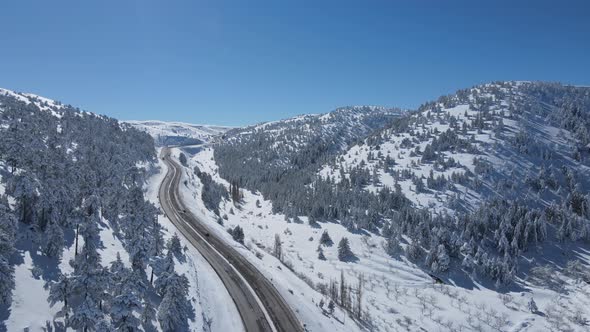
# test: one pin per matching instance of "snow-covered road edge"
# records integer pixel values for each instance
(213, 305)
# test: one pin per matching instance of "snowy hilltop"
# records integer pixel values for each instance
(178, 133)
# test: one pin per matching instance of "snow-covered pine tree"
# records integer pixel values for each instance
(126, 305)
(175, 308)
(344, 251)
(86, 315)
(174, 246)
(325, 239)
(61, 291)
(53, 239)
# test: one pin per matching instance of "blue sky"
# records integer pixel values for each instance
(241, 62)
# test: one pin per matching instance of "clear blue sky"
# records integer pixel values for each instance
(242, 62)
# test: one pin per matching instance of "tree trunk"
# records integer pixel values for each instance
(77, 231)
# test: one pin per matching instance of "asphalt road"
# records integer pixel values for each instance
(260, 305)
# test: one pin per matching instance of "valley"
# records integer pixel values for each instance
(470, 213)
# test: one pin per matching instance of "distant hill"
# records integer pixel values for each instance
(178, 133)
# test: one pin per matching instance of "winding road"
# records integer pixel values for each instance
(260, 305)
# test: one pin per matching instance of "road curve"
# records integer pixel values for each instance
(260, 305)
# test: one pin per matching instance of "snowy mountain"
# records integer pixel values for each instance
(471, 213)
(485, 189)
(178, 133)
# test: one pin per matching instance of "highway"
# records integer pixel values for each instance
(260, 305)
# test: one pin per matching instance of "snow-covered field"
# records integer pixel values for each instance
(398, 295)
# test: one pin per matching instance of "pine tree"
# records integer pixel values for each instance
(174, 246)
(182, 159)
(86, 315)
(344, 251)
(278, 248)
(331, 307)
(533, 306)
(175, 308)
(343, 293)
(60, 291)
(238, 234)
(89, 280)
(326, 240)
(442, 258)
(164, 269)
(53, 240)
(125, 304)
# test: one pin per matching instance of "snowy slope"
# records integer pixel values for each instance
(495, 135)
(41, 102)
(398, 294)
(296, 291)
(178, 133)
(523, 142)
(68, 176)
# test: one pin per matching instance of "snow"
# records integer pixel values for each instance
(303, 299)
(398, 294)
(42, 103)
(29, 307)
(207, 293)
(164, 132)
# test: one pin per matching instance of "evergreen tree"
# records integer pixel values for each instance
(238, 234)
(182, 159)
(278, 248)
(125, 304)
(86, 315)
(53, 240)
(344, 251)
(174, 246)
(175, 309)
(533, 306)
(325, 239)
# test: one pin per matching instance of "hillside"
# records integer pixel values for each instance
(471, 213)
(274, 156)
(485, 190)
(80, 246)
